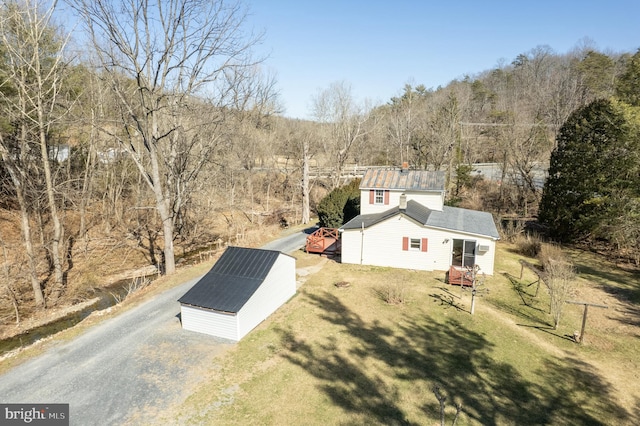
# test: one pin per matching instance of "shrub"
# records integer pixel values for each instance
(511, 229)
(528, 245)
(340, 205)
(549, 253)
(393, 293)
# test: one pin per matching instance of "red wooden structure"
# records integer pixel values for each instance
(460, 276)
(324, 241)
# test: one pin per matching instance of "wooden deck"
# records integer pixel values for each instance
(459, 276)
(324, 241)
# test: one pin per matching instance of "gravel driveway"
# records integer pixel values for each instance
(124, 369)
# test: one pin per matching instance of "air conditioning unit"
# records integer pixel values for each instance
(483, 248)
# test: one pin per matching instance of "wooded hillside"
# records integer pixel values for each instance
(164, 137)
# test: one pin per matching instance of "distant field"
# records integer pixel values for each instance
(342, 355)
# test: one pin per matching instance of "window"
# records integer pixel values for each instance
(379, 196)
(415, 244)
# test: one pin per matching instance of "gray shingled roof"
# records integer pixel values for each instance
(232, 280)
(451, 218)
(408, 180)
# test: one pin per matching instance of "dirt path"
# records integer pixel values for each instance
(531, 335)
(303, 274)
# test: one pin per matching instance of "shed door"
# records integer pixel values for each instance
(464, 253)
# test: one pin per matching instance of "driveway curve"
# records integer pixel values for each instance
(126, 368)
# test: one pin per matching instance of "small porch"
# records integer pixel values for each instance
(324, 241)
(459, 275)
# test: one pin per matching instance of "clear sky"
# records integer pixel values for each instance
(379, 45)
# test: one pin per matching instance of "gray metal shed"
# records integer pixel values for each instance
(240, 291)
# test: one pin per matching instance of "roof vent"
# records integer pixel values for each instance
(403, 202)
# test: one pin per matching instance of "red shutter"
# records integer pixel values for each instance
(386, 198)
(405, 243)
(424, 244)
(372, 196)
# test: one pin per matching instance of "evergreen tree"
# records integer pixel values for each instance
(628, 85)
(590, 167)
(340, 205)
(597, 70)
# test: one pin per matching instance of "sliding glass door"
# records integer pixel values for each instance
(464, 253)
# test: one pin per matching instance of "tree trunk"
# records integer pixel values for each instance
(473, 300)
(28, 246)
(9, 291)
(25, 226)
(306, 213)
(162, 205)
(169, 255)
(87, 181)
(53, 210)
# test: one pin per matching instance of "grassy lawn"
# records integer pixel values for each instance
(343, 355)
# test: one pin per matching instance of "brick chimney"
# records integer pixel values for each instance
(405, 167)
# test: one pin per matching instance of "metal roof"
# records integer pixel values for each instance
(232, 280)
(403, 179)
(450, 218)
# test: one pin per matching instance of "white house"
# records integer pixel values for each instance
(240, 291)
(405, 224)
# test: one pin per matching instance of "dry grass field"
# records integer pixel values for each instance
(338, 353)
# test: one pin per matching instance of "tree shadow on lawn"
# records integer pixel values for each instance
(549, 330)
(421, 354)
(627, 290)
(628, 282)
(631, 315)
(521, 289)
(574, 392)
(507, 308)
(448, 299)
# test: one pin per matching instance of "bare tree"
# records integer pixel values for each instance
(255, 101)
(172, 66)
(7, 280)
(19, 179)
(34, 53)
(558, 275)
(344, 123)
(303, 139)
(402, 118)
(306, 158)
(441, 130)
(442, 403)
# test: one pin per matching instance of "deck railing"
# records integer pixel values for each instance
(323, 240)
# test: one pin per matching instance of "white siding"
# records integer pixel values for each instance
(209, 322)
(381, 245)
(485, 259)
(278, 287)
(433, 200)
